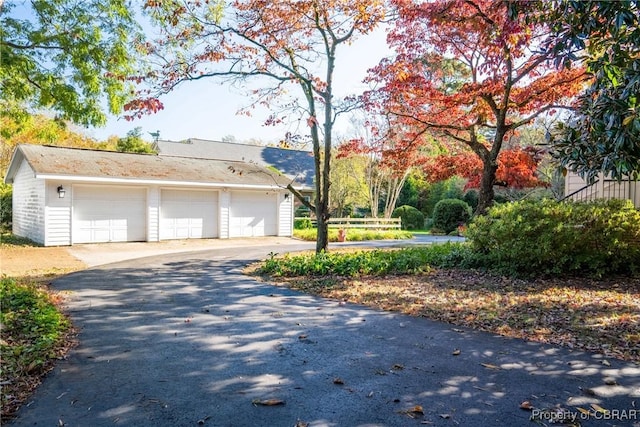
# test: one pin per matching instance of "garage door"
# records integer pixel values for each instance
(253, 214)
(109, 214)
(186, 214)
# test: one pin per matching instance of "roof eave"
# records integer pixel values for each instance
(168, 182)
(16, 160)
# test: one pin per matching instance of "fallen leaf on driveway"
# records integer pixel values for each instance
(268, 402)
(203, 420)
(490, 366)
(599, 408)
(414, 412)
(526, 405)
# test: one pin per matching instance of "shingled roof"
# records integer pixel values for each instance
(295, 164)
(75, 163)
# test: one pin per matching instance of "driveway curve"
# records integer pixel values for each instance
(187, 340)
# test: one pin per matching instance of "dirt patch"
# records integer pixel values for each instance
(21, 261)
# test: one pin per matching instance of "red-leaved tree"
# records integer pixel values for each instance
(273, 48)
(465, 71)
(517, 168)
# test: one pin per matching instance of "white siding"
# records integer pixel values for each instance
(224, 201)
(285, 215)
(28, 204)
(153, 214)
(57, 215)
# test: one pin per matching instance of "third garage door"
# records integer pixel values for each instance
(188, 214)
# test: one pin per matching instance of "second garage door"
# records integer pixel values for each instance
(188, 214)
(253, 214)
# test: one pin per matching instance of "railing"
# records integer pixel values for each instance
(372, 223)
(583, 194)
(607, 189)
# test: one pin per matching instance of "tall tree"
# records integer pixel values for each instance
(133, 143)
(386, 169)
(603, 135)
(66, 56)
(509, 81)
(279, 45)
(41, 130)
(348, 186)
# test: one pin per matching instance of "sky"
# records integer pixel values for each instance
(205, 109)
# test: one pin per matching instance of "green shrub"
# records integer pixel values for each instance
(546, 237)
(448, 214)
(302, 224)
(6, 211)
(302, 210)
(412, 218)
(31, 336)
(452, 188)
(471, 197)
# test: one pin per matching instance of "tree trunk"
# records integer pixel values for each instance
(485, 198)
(322, 240)
(395, 187)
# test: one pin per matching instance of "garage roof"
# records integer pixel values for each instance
(109, 166)
(296, 164)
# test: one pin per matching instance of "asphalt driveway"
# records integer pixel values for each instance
(186, 340)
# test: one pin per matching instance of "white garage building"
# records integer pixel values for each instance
(65, 196)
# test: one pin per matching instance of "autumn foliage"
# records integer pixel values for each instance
(516, 168)
(282, 53)
(466, 71)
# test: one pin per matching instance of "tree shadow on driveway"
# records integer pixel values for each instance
(184, 340)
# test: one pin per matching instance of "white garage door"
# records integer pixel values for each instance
(109, 214)
(188, 214)
(253, 214)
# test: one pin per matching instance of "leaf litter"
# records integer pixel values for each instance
(595, 315)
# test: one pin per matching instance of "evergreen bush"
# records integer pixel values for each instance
(547, 237)
(302, 224)
(448, 214)
(471, 198)
(412, 218)
(6, 210)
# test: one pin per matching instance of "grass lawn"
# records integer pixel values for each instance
(354, 234)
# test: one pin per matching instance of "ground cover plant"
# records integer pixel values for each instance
(33, 334)
(593, 314)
